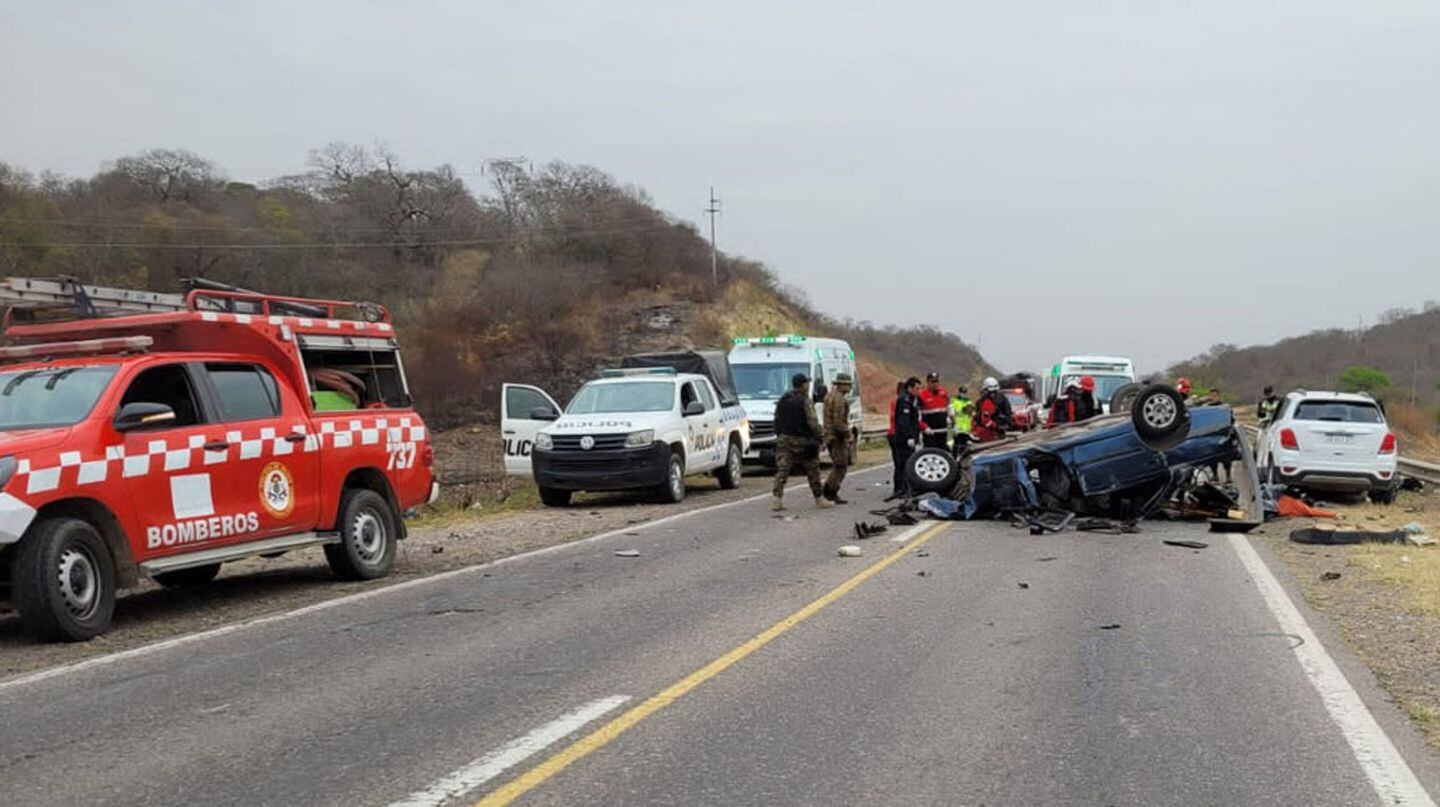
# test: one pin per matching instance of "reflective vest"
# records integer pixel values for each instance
(960, 408)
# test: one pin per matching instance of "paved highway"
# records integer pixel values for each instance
(738, 660)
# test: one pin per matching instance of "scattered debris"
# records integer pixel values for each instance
(1330, 536)
(1046, 559)
(920, 553)
(863, 530)
(1049, 521)
(850, 551)
(1111, 626)
(1411, 483)
(627, 553)
(215, 710)
(1023, 585)
(1291, 507)
(436, 550)
(1107, 525)
(1328, 576)
(1414, 528)
(1421, 540)
(921, 573)
(1188, 544)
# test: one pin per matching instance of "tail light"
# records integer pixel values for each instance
(1387, 446)
(427, 455)
(1287, 440)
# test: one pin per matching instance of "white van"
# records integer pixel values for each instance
(763, 366)
(645, 427)
(1110, 374)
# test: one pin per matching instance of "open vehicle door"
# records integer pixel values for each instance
(518, 424)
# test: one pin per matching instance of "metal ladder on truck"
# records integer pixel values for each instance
(88, 301)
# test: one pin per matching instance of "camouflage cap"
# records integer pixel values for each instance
(842, 378)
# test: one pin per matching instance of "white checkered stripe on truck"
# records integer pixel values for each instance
(297, 322)
(175, 454)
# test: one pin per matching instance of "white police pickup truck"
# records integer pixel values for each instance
(642, 427)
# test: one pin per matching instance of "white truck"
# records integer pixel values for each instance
(645, 426)
(763, 367)
(1111, 374)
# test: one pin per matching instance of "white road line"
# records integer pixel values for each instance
(508, 755)
(1389, 774)
(166, 644)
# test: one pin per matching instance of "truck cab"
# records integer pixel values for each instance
(763, 367)
(634, 428)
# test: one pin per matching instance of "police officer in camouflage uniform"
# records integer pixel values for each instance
(797, 441)
(838, 438)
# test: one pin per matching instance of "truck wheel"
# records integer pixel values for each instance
(729, 473)
(673, 489)
(185, 578)
(1124, 398)
(63, 581)
(551, 497)
(1158, 413)
(367, 537)
(932, 470)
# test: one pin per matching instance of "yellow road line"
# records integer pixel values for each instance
(598, 738)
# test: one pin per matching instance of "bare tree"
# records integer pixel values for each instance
(169, 174)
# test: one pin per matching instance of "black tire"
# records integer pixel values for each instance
(729, 473)
(553, 497)
(672, 490)
(368, 534)
(186, 578)
(1124, 398)
(932, 470)
(1158, 413)
(1382, 496)
(63, 581)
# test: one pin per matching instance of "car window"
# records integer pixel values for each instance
(706, 397)
(168, 384)
(1339, 411)
(51, 396)
(245, 391)
(630, 396)
(520, 401)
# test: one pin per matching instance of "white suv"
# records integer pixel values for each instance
(1331, 441)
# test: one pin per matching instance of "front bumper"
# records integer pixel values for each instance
(598, 470)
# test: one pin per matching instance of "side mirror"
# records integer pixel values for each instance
(140, 415)
(544, 413)
(820, 393)
(693, 409)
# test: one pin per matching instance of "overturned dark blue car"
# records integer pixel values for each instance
(1126, 465)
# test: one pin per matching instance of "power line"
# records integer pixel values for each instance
(713, 209)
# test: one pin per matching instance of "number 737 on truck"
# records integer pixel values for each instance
(161, 435)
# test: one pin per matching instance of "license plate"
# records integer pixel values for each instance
(1339, 439)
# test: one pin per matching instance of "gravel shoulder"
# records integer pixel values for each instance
(1385, 599)
(258, 587)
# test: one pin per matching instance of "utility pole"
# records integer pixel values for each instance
(713, 209)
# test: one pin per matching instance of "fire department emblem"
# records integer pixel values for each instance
(587, 442)
(277, 490)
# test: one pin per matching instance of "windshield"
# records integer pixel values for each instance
(50, 396)
(631, 396)
(1339, 411)
(1105, 385)
(765, 382)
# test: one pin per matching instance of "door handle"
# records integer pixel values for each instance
(218, 445)
(295, 437)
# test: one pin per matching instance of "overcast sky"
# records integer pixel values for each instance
(1144, 178)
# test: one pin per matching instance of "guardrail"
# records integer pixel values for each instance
(874, 435)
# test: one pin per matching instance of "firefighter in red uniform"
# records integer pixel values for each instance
(1075, 404)
(992, 413)
(934, 412)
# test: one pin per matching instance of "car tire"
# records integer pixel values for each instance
(188, 578)
(63, 581)
(672, 490)
(729, 473)
(1124, 398)
(1158, 413)
(1382, 496)
(553, 497)
(368, 535)
(932, 470)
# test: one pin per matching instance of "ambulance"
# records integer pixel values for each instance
(763, 367)
(158, 436)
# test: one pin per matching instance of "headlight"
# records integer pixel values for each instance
(543, 442)
(640, 439)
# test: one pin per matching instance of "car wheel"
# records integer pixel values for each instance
(672, 491)
(551, 497)
(368, 536)
(1382, 496)
(932, 470)
(63, 581)
(185, 578)
(1124, 398)
(729, 474)
(1158, 412)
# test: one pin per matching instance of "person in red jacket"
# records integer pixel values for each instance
(934, 412)
(992, 413)
(1075, 404)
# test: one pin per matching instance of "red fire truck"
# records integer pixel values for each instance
(161, 435)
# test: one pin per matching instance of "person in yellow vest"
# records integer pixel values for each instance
(962, 409)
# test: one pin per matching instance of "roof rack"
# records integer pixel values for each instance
(67, 295)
